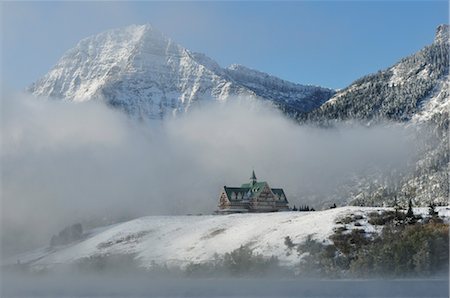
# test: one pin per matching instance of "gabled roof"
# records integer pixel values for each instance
(244, 191)
(248, 191)
(256, 188)
(256, 185)
(279, 192)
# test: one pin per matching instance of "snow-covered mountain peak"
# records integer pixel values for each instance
(442, 34)
(146, 74)
(96, 60)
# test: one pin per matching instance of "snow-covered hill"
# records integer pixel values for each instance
(146, 74)
(180, 240)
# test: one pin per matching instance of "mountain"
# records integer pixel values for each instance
(415, 86)
(144, 73)
(415, 93)
(280, 91)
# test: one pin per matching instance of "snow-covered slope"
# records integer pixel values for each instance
(146, 74)
(417, 84)
(280, 91)
(415, 93)
(180, 240)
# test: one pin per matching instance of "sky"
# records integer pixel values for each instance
(326, 43)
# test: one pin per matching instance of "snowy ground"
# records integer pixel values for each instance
(180, 240)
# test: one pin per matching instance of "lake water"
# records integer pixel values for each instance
(98, 286)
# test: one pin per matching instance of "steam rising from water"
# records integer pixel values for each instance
(64, 162)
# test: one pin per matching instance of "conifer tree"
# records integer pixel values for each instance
(432, 210)
(410, 213)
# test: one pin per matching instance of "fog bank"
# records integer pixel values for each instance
(64, 162)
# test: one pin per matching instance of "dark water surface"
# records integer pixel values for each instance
(100, 286)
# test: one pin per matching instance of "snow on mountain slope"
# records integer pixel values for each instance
(397, 93)
(180, 240)
(146, 74)
(437, 103)
(137, 69)
(414, 93)
(280, 91)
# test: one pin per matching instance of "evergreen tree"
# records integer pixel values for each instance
(432, 210)
(410, 213)
(396, 207)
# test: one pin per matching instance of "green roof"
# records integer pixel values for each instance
(256, 188)
(249, 190)
(246, 191)
(257, 184)
(279, 192)
(243, 191)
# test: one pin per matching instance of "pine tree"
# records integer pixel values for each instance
(432, 210)
(410, 213)
(396, 207)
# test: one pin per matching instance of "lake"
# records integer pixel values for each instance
(120, 286)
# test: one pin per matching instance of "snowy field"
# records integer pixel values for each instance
(180, 240)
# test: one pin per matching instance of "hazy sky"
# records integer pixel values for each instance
(328, 43)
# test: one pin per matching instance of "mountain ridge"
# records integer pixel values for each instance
(413, 92)
(146, 74)
(396, 93)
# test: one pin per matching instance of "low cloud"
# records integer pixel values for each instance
(64, 162)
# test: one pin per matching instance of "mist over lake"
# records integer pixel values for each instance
(139, 286)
